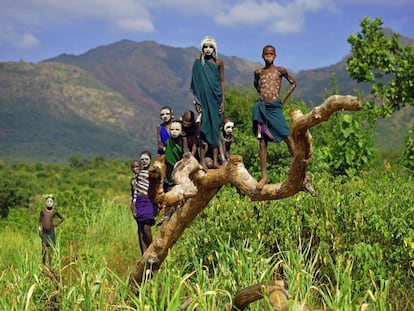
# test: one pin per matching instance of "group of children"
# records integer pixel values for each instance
(205, 133)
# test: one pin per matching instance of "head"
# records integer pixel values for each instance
(50, 201)
(188, 118)
(135, 166)
(176, 128)
(145, 159)
(227, 125)
(208, 47)
(269, 54)
(166, 114)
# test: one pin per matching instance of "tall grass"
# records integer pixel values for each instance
(309, 242)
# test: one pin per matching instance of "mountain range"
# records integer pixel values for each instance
(107, 100)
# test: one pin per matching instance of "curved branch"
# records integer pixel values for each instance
(194, 188)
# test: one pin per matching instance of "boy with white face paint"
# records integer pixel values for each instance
(163, 130)
(207, 87)
(47, 229)
(226, 139)
(144, 209)
(176, 146)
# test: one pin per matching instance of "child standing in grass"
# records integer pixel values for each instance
(47, 229)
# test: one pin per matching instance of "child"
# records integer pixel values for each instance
(207, 86)
(176, 146)
(163, 130)
(144, 209)
(135, 168)
(269, 124)
(191, 131)
(47, 227)
(226, 139)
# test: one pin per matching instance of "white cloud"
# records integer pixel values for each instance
(274, 16)
(27, 41)
(135, 25)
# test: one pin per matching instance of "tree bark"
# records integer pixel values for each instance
(194, 188)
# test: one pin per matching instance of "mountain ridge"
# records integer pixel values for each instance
(106, 101)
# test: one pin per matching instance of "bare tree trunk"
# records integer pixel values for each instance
(194, 188)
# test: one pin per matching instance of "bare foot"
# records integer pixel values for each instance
(216, 165)
(204, 166)
(261, 184)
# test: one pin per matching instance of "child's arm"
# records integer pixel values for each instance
(39, 224)
(292, 82)
(159, 142)
(60, 217)
(256, 80)
(185, 144)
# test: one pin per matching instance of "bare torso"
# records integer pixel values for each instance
(46, 219)
(268, 81)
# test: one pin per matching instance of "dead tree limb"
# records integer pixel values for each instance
(194, 188)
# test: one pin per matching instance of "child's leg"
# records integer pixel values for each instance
(203, 156)
(263, 163)
(44, 250)
(290, 144)
(215, 158)
(147, 236)
(141, 240)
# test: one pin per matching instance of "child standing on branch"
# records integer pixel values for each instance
(144, 209)
(163, 130)
(207, 86)
(269, 124)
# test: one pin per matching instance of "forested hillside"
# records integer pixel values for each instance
(107, 100)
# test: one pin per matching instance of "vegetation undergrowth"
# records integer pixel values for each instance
(350, 245)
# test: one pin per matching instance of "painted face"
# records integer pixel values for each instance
(165, 115)
(176, 129)
(145, 160)
(269, 55)
(228, 128)
(208, 49)
(135, 166)
(49, 202)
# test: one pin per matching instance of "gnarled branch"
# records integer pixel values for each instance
(194, 188)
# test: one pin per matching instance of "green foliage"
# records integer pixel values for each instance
(351, 243)
(407, 158)
(385, 63)
(344, 146)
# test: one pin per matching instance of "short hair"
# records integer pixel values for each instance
(269, 46)
(188, 116)
(134, 161)
(147, 153)
(166, 107)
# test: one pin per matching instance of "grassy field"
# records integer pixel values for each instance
(351, 246)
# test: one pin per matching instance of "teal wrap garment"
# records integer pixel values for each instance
(206, 87)
(269, 119)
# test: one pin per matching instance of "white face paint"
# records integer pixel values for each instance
(165, 115)
(176, 129)
(49, 202)
(208, 49)
(145, 160)
(228, 128)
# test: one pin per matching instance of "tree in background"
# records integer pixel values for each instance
(389, 66)
(385, 63)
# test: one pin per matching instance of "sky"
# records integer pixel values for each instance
(308, 34)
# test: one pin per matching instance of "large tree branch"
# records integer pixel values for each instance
(194, 188)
